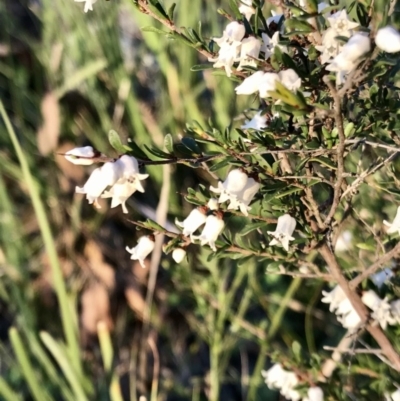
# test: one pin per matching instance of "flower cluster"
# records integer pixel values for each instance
(383, 312)
(122, 176)
(286, 382)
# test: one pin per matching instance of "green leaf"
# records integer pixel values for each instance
(115, 142)
(169, 143)
(191, 144)
(201, 67)
(170, 11)
(252, 226)
(235, 9)
(153, 29)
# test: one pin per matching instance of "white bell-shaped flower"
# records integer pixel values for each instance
(314, 394)
(212, 229)
(290, 79)
(250, 84)
(380, 307)
(330, 46)
(395, 310)
(268, 83)
(388, 39)
(143, 248)
(395, 226)
(341, 23)
(396, 395)
(197, 217)
(212, 204)
(258, 122)
(274, 18)
(244, 198)
(269, 45)
(178, 254)
(83, 156)
(99, 180)
(249, 51)
(246, 8)
(275, 376)
(350, 320)
(130, 172)
(88, 4)
(334, 298)
(234, 32)
(120, 194)
(283, 232)
(232, 186)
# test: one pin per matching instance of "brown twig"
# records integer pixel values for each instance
(362, 311)
(340, 149)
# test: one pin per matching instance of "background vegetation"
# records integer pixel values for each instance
(79, 320)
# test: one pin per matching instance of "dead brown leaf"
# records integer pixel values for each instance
(49, 132)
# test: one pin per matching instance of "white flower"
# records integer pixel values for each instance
(249, 51)
(282, 380)
(143, 248)
(344, 241)
(229, 44)
(99, 180)
(330, 46)
(83, 156)
(381, 277)
(314, 394)
(283, 232)
(341, 23)
(380, 307)
(232, 186)
(258, 122)
(395, 310)
(395, 226)
(345, 313)
(275, 376)
(388, 39)
(244, 198)
(396, 395)
(234, 32)
(290, 79)
(212, 204)
(250, 84)
(178, 254)
(321, 8)
(269, 44)
(120, 194)
(88, 4)
(213, 227)
(268, 83)
(246, 8)
(197, 217)
(275, 18)
(334, 298)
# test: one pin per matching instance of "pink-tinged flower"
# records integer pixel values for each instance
(388, 39)
(290, 79)
(197, 217)
(143, 248)
(212, 229)
(88, 4)
(249, 51)
(83, 156)
(178, 254)
(283, 232)
(395, 226)
(258, 122)
(246, 8)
